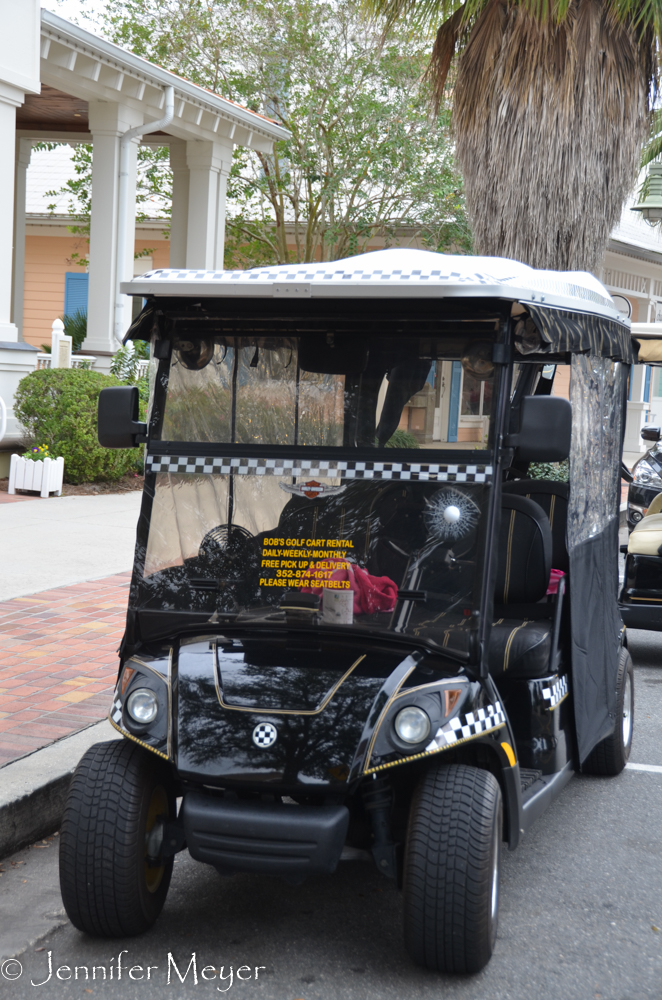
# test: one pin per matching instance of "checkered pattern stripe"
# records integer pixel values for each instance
(418, 471)
(265, 734)
(462, 727)
(557, 692)
(329, 274)
(116, 709)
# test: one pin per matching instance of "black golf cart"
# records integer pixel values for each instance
(335, 638)
(641, 595)
(646, 478)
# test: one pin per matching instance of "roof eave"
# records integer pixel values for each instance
(58, 27)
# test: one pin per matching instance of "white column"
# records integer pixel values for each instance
(23, 154)
(10, 99)
(223, 174)
(107, 123)
(206, 202)
(127, 252)
(180, 196)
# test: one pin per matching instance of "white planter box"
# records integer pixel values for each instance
(44, 476)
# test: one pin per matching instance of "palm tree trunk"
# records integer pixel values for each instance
(549, 120)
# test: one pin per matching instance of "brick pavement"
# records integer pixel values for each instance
(58, 661)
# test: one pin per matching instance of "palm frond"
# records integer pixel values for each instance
(443, 51)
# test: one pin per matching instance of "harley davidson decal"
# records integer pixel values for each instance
(312, 489)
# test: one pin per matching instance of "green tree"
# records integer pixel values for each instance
(364, 157)
(551, 106)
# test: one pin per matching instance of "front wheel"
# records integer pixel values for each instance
(451, 876)
(611, 755)
(109, 886)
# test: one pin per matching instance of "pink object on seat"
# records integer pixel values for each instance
(554, 578)
(371, 593)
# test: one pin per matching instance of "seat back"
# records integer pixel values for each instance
(524, 552)
(552, 496)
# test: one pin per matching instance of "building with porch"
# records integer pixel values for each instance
(61, 83)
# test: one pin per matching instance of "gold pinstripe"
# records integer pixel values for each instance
(506, 654)
(284, 711)
(552, 504)
(135, 739)
(430, 753)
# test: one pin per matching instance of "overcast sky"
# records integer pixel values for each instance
(79, 11)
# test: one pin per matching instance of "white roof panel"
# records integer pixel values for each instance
(401, 273)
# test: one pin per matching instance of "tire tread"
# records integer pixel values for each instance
(101, 857)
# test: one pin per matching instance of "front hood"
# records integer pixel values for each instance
(277, 712)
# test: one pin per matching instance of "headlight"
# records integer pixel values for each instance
(412, 725)
(142, 706)
(646, 475)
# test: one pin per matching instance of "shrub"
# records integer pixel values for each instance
(558, 471)
(402, 439)
(58, 408)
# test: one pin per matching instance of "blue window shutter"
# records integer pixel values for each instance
(75, 292)
(454, 403)
(647, 385)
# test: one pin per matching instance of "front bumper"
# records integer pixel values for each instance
(264, 838)
(639, 500)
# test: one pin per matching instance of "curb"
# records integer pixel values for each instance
(33, 789)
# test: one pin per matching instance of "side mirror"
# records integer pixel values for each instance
(545, 429)
(650, 433)
(117, 421)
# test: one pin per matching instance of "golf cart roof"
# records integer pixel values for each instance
(395, 273)
(571, 310)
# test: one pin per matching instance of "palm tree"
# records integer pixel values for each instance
(551, 105)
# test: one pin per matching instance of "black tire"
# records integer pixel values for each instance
(451, 876)
(611, 755)
(116, 794)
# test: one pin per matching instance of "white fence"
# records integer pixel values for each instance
(77, 361)
(45, 475)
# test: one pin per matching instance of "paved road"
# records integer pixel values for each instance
(581, 914)
(65, 540)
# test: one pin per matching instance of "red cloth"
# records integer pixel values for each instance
(371, 593)
(554, 578)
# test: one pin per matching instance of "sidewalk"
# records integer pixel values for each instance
(65, 540)
(58, 661)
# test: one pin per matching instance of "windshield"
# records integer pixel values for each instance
(278, 495)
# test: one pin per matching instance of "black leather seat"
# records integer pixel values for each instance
(552, 496)
(521, 636)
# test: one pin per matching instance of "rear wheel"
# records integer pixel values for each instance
(109, 887)
(611, 755)
(451, 877)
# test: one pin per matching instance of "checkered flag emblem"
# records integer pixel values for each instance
(463, 727)
(264, 735)
(116, 709)
(556, 692)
